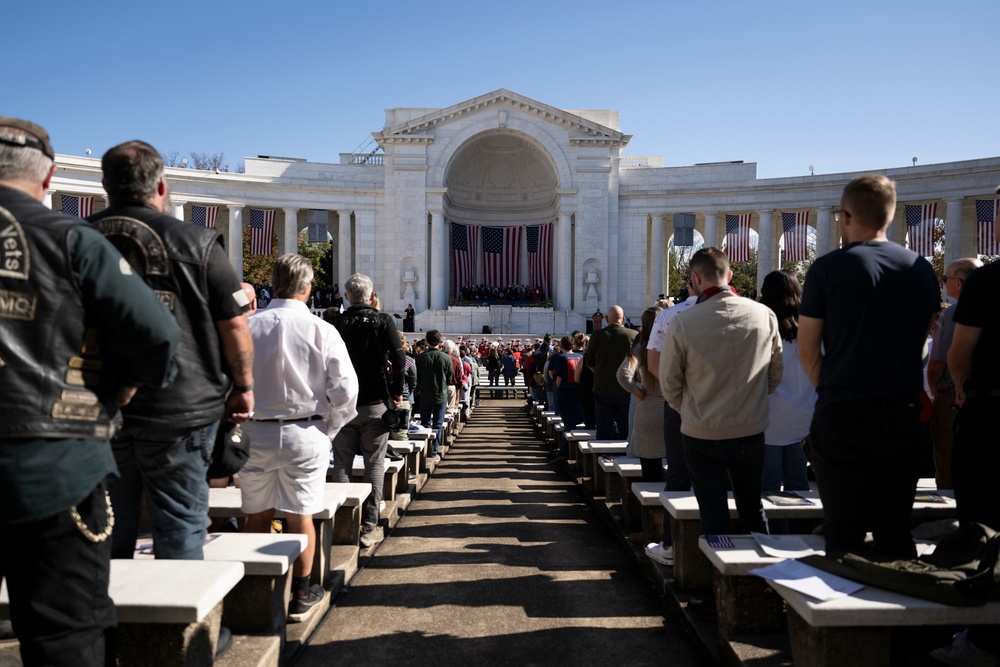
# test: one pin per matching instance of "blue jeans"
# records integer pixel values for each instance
(432, 417)
(612, 416)
(368, 436)
(784, 462)
(169, 466)
(713, 464)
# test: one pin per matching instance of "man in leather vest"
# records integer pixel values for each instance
(373, 343)
(166, 444)
(78, 332)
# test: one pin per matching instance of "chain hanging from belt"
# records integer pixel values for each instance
(96, 538)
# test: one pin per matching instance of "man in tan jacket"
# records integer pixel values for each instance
(721, 359)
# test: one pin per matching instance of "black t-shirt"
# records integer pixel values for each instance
(876, 301)
(977, 307)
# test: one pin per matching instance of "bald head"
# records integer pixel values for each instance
(957, 272)
(615, 315)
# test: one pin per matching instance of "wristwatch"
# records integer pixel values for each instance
(242, 389)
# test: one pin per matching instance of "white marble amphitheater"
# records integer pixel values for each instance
(503, 160)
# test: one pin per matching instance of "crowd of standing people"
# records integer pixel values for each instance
(129, 344)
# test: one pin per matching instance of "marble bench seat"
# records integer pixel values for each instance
(223, 503)
(857, 629)
(259, 602)
(644, 501)
(692, 569)
(589, 450)
(169, 611)
(414, 451)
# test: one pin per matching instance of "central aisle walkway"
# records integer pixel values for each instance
(500, 561)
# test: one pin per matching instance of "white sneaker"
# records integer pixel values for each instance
(662, 555)
(963, 653)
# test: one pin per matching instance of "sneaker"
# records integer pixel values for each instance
(372, 537)
(304, 603)
(962, 652)
(661, 554)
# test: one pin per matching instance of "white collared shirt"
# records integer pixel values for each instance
(301, 366)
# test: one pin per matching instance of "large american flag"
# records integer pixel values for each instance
(81, 207)
(204, 216)
(987, 217)
(464, 243)
(261, 232)
(920, 228)
(738, 237)
(795, 226)
(501, 256)
(540, 257)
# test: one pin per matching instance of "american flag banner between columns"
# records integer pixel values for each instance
(796, 232)
(501, 256)
(540, 257)
(738, 237)
(204, 216)
(261, 232)
(987, 217)
(464, 243)
(920, 228)
(81, 207)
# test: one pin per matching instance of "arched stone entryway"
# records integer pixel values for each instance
(501, 188)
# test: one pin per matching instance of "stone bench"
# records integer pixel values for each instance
(590, 450)
(692, 569)
(414, 450)
(224, 503)
(856, 630)
(573, 438)
(426, 435)
(746, 604)
(169, 611)
(259, 602)
(551, 421)
(644, 500)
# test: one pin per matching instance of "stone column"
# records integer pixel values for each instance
(178, 211)
(765, 257)
(439, 262)
(822, 230)
(656, 263)
(563, 251)
(711, 230)
(235, 240)
(345, 249)
(952, 230)
(289, 241)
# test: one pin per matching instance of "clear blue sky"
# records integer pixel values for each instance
(844, 86)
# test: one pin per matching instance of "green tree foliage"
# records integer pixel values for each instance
(257, 268)
(745, 275)
(320, 255)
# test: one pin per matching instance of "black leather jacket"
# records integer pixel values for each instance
(172, 257)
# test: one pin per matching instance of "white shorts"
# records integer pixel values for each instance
(287, 467)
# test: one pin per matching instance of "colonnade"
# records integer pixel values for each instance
(960, 239)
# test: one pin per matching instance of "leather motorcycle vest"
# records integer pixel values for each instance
(172, 258)
(54, 381)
